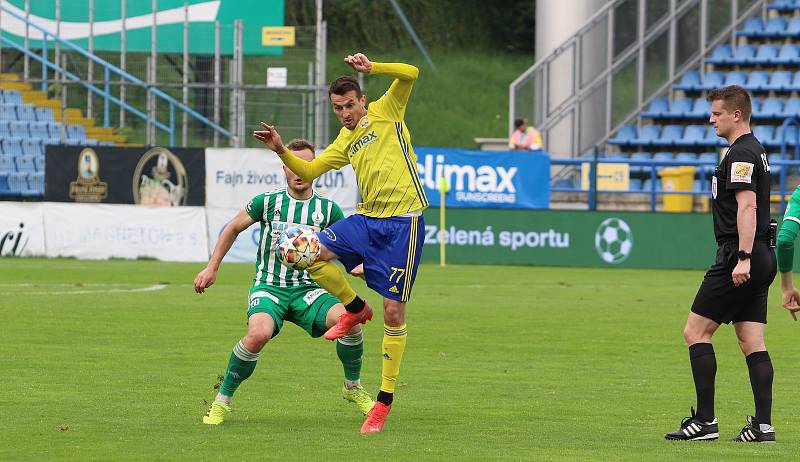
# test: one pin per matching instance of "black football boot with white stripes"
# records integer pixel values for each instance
(694, 429)
(756, 433)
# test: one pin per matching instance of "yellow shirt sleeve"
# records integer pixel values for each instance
(392, 105)
(332, 158)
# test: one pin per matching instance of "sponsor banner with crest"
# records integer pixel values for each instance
(111, 175)
(234, 176)
(21, 229)
(486, 179)
(245, 247)
(98, 231)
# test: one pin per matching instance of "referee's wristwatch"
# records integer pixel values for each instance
(742, 255)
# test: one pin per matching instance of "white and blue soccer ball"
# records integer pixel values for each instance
(613, 240)
(297, 247)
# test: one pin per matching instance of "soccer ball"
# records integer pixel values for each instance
(613, 240)
(297, 247)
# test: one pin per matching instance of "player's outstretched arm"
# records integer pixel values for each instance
(790, 297)
(208, 276)
(400, 91)
(307, 171)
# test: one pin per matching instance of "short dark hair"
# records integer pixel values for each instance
(519, 121)
(344, 84)
(298, 144)
(733, 98)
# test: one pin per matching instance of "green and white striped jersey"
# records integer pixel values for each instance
(277, 210)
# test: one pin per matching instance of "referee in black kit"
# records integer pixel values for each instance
(735, 287)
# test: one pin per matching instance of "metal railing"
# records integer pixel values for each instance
(108, 70)
(601, 97)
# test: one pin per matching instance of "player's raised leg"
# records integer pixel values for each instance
(350, 350)
(242, 363)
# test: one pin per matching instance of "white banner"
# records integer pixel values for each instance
(234, 176)
(125, 231)
(21, 229)
(245, 247)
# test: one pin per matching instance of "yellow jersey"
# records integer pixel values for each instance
(379, 149)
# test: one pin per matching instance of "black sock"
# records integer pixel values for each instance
(704, 369)
(355, 306)
(385, 397)
(760, 367)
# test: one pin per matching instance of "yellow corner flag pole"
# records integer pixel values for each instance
(442, 227)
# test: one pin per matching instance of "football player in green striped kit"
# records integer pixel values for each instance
(279, 293)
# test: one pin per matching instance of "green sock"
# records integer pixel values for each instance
(350, 350)
(240, 366)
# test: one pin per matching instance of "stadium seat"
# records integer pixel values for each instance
(19, 129)
(782, 5)
(789, 54)
(790, 135)
(735, 78)
(12, 97)
(76, 132)
(764, 133)
(720, 54)
(634, 184)
(779, 81)
(8, 112)
(12, 146)
(25, 164)
(647, 185)
(648, 135)
(689, 81)
(775, 168)
(755, 105)
(746, 54)
(624, 136)
(701, 109)
(39, 163)
(693, 135)
(770, 108)
(38, 130)
(7, 164)
(615, 156)
(640, 156)
(5, 132)
(793, 28)
(753, 27)
(670, 134)
(690, 156)
(26, 112)
(757, 81)
(45, 114)
(776, 27)
(54, 129)
(17, 183)
(712, 139)
(36, 184)
(4, 190)
(662, 156)
(791, 108)
(711, 157)
(33, 147)
(765, 54)
(680, 106)
(711, 80)
(658, 107)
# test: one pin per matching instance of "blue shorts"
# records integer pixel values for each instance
(389, 248)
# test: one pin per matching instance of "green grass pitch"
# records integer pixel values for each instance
(503, 363)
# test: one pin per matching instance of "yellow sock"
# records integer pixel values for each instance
(394, 344)
(330, 278)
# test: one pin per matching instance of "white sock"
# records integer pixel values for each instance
(350, 384)
(223, 398)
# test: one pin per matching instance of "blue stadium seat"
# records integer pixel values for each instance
(789, 54)
(680, 106)
(12, 146)
(17, 183)
(76, 132)
(8, 112)
(662, 156)
(33, 147)
(791, 135)
(782, 5)
(766, 53)
(38, 129)
(634, 184)
(45, 114)
(25, 164)
(712, 139)
(708, 157)
(753, 27)
(745, 54)
(711, 80)
(7, 164)
(755, 104)
(776, 27)
(36, 184)
(692, 136)
(12, 97)
(54, 129)
(648, 135)
(658, 107)
(757, 81)
(5, 132)
(625, 135)
(771, 108)
(640, 156)
(793, 29)
(720, 54)
(38, 162)
(670, 134)
(764, 133)
(774, 168)
(19, 129)
(689, 81)
(4, 189)
(701, 109)
(26, 112)
(791, 108)
(690, 156)
(735, 78)
(647, 186)
(91, 142)
(779, 81)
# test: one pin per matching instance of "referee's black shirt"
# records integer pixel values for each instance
(744, 167)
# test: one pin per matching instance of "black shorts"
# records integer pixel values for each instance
(722, 302)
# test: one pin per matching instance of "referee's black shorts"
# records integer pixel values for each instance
(722, 302)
